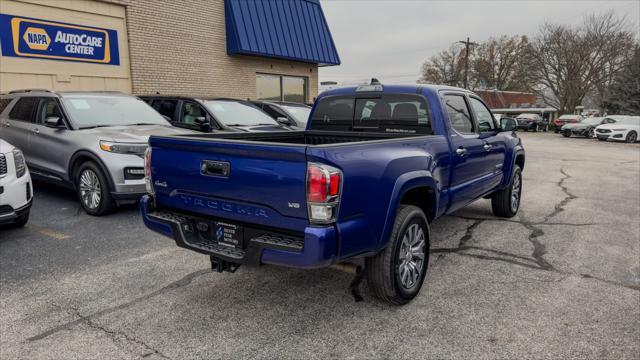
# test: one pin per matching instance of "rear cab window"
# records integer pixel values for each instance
(386, 113)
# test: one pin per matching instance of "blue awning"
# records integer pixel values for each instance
(285, 29)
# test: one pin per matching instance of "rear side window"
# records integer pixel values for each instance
(23, 109)
(166, 107)
(459, 114)
(390, 113)
(3, 104)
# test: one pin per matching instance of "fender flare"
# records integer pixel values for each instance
(95, 159)
(404, 183)
(510, 162)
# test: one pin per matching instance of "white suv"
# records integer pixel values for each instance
(16, 190)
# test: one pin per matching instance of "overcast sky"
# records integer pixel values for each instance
(391, 39)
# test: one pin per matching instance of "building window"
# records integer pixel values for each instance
(281, 88)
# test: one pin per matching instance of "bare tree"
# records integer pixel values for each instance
(571, 62)
(624, 93)
(501, 63)
(445, 68)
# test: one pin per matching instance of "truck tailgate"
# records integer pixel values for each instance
(242, 181)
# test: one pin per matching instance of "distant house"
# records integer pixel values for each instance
(514, 103)
(507, 99)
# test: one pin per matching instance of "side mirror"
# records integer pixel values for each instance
(205, 124)
(283, 120)
(53, 122)
(508, 124)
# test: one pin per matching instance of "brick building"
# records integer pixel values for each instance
(268, 49)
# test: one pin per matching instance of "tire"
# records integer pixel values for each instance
(590, 133)
(502, 202)
(387, 272)
(535, 128)
(566, 133)
(632, 137)
(93, 190)
(602, 139)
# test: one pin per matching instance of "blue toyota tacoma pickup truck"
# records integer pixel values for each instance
(375, 166)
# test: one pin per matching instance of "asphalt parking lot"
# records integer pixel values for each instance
(560, 280)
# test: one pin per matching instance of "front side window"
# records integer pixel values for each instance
(238, 113)
(48, 108)
(88, 111)
(23, 109)
(191, 111)
(483, 115)
(459, 114)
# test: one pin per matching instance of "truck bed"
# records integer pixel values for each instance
(303, 138)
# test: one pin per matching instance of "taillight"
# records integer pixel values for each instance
(323, 192)
(147, 171)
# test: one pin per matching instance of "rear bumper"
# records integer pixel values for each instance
(314, 249)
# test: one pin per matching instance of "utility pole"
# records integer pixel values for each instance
(466, 60)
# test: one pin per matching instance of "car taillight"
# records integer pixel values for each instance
(147, 171)
(323, 192)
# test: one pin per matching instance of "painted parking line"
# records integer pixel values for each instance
(48, 232)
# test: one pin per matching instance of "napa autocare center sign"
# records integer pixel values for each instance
(44, 39)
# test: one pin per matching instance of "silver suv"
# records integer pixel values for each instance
(92, 142)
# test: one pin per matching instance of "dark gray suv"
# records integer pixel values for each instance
(93, 142)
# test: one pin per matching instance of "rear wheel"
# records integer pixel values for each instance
(396, 274)
(566, 133)
(632, 136)
(590, 133)
(93, 190)
(506, 202)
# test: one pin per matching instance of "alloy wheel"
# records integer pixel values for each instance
(516, 188)
(411, 256)
(90, 190)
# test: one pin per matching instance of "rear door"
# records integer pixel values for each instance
(493, 144)
(50, 148)
(18, 125)
(469, 168)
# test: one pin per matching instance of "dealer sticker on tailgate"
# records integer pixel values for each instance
(228, 234)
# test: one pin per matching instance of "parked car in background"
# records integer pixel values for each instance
(92, 142)
(586, 127)
(626, 128)
(213, 115)
(16, 190)
(287, 113)
(532, 122)
(565, 119)
(376, 165)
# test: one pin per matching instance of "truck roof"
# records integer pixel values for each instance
(407, 89)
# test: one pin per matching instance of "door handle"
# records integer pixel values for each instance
(461, 151)
(487, 147)
(35, 131)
